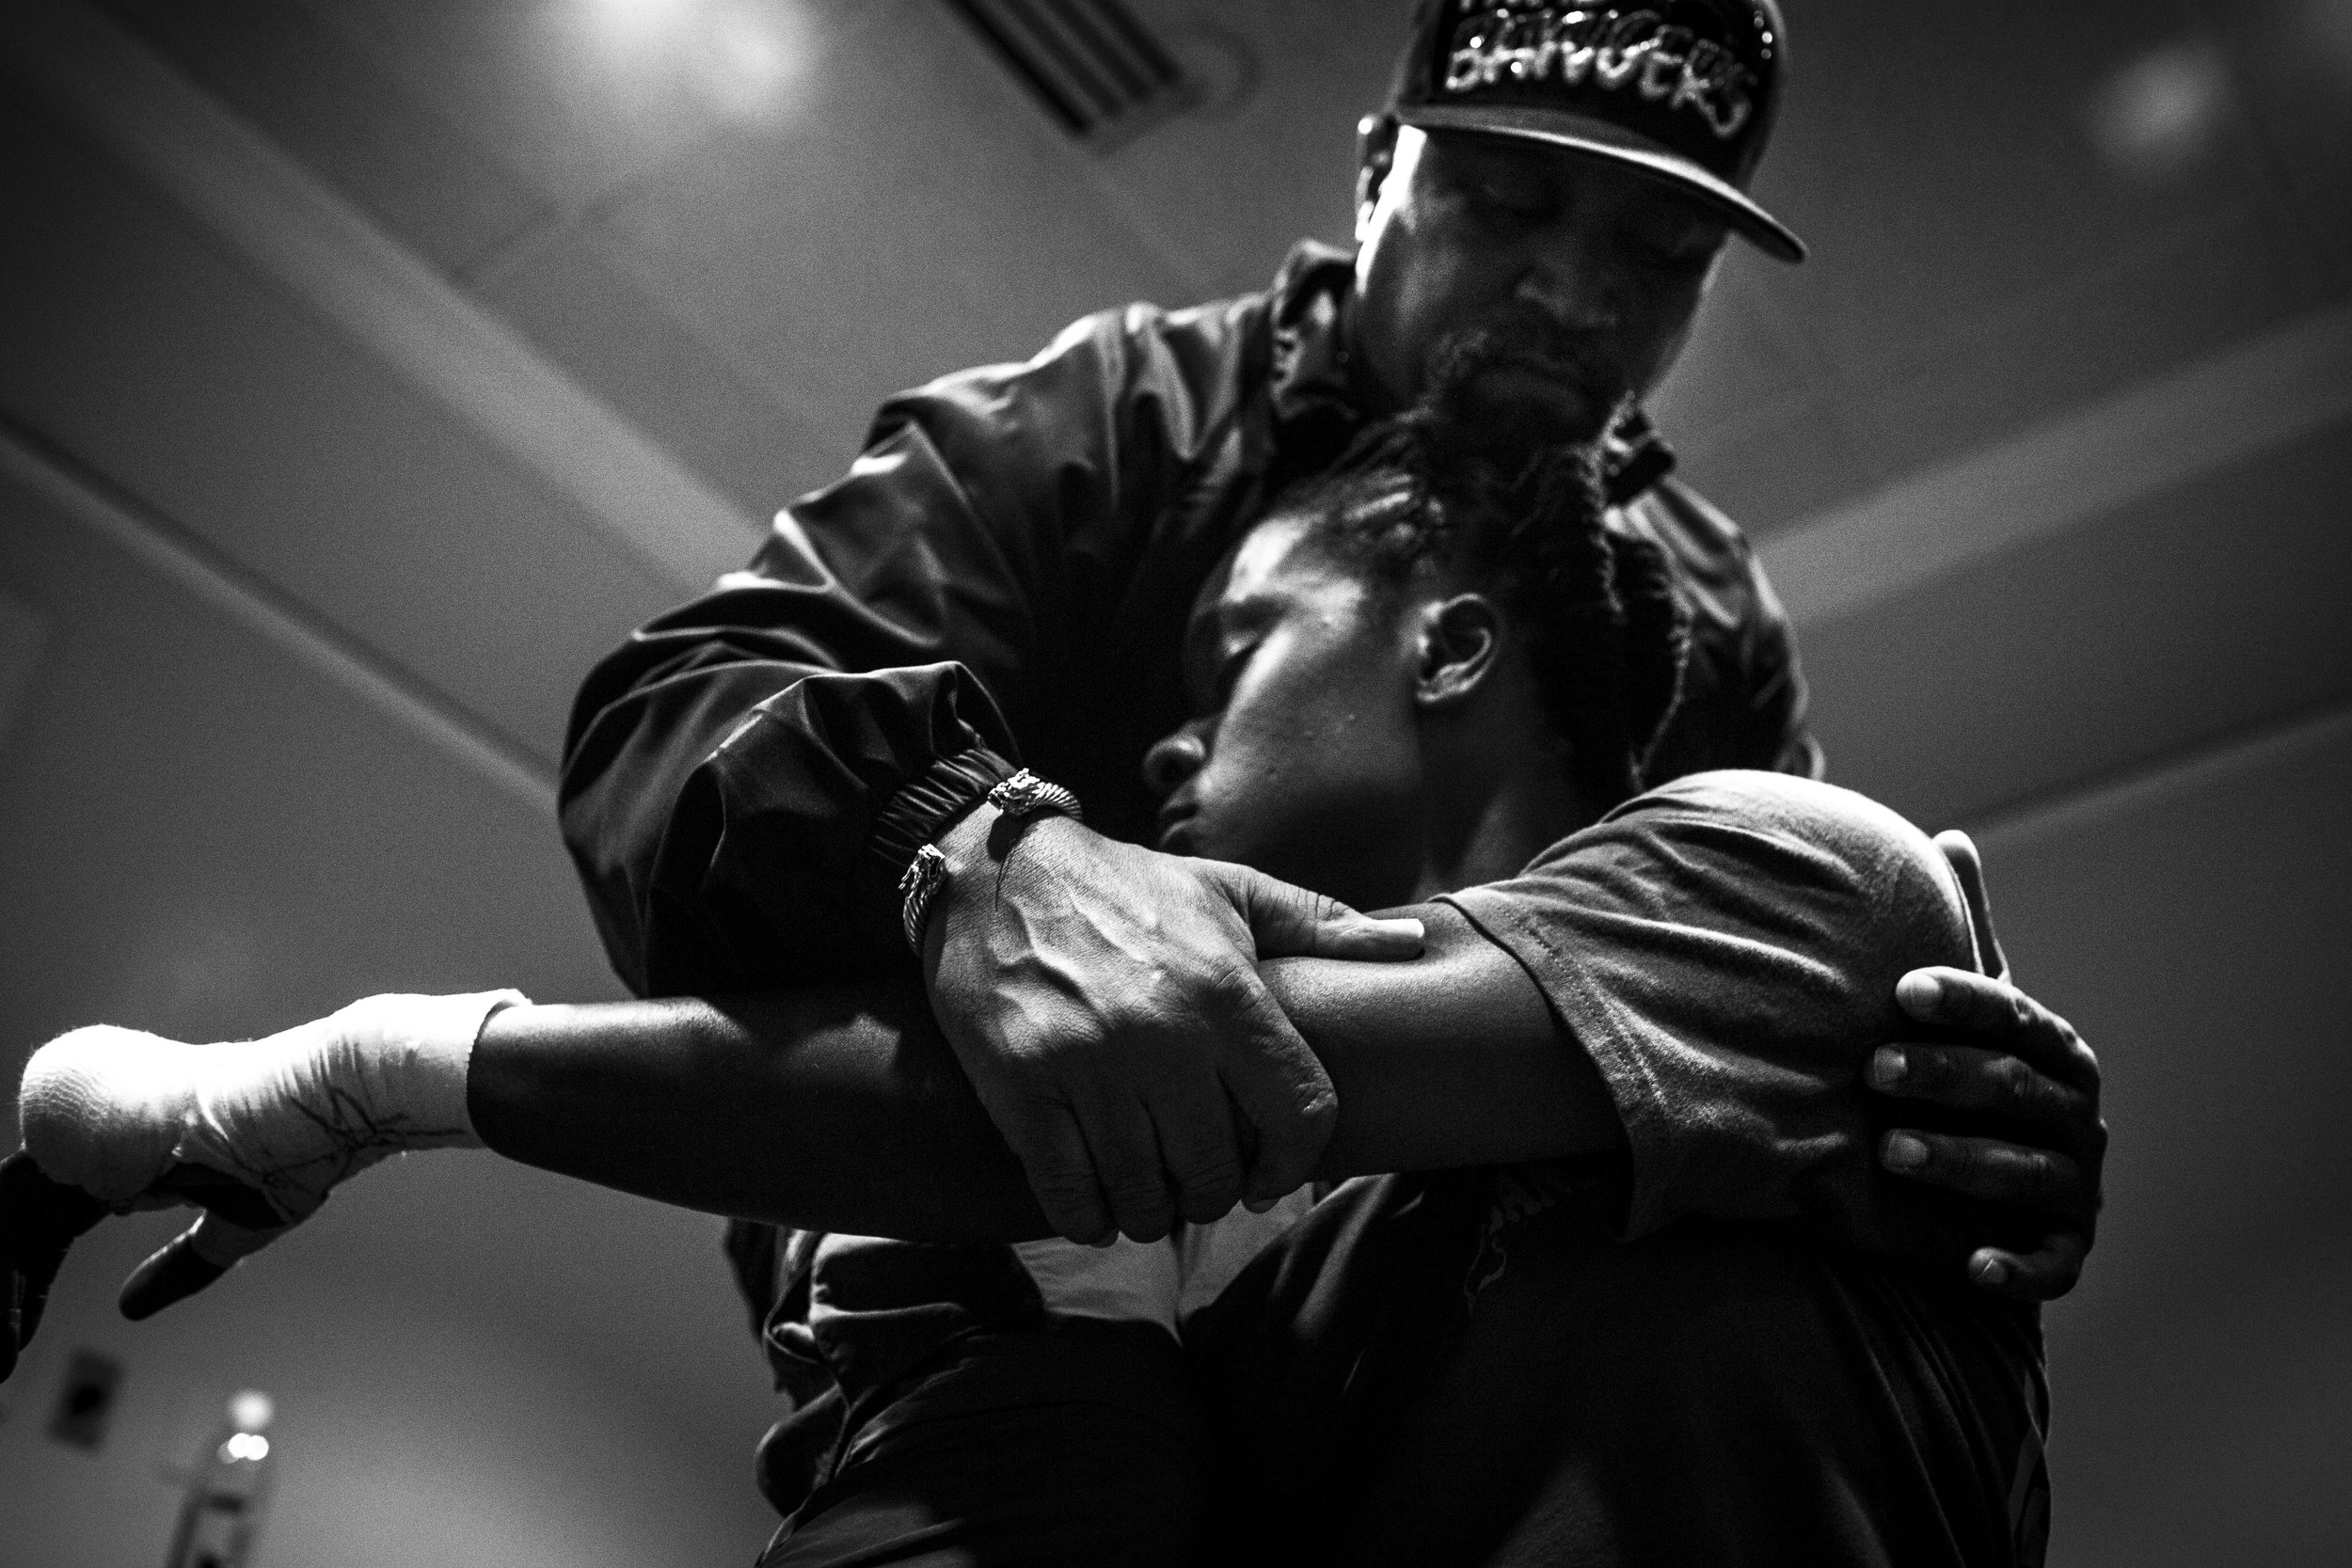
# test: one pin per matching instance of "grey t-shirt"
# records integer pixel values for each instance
(1725, 947)
(1556, 1362)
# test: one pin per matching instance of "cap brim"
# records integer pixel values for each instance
(1599, 138)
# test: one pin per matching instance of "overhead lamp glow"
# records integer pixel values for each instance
(2156, 116)
(628, 21)
(739, 56)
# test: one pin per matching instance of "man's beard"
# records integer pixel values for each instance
(1458, 385)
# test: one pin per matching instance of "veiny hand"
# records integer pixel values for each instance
(1104, 1002)
(2003, 1056)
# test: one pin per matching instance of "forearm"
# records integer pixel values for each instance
(833, 1108)
(1454, 1059)
(842, 1107)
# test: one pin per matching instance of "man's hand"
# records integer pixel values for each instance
(1999, 1053)
(1104, 1002)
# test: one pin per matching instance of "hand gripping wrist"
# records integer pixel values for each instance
(112, 1111)
(1017, 799)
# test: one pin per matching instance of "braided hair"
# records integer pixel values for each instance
(1608, 634)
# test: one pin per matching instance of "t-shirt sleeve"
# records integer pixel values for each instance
(1725, 948)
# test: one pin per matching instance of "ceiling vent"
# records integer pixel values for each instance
(1090, 64)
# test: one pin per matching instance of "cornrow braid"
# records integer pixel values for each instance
(1608, 634)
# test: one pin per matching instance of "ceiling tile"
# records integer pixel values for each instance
(301, 83)
(2293, 60)
(1771, 474)
(2210, 610)
(582, 97)
(2188, 292)
(144, 349)
(1268, 156)
(609, 330)
(1946, 159)
(914, 215)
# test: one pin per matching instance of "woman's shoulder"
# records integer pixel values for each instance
(1736, 837)
(1806, 810)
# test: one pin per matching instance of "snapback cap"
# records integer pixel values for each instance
(1683, 89)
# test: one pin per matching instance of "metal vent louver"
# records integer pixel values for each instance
(1090, 64)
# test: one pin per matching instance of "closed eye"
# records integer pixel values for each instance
(1228, 675)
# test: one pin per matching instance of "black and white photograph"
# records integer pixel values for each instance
(1175, 783)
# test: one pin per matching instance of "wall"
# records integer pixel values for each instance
(2194, 924)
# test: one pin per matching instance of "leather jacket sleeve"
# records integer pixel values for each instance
(745, 779)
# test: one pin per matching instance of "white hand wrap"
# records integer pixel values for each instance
(111, 1110)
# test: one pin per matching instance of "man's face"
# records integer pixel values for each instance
(1304, 760)
(1549, 287)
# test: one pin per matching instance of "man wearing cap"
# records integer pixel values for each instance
(761, 786)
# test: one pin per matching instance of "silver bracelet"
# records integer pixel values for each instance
(925, 874)
(1023, 796)
(1027, 795)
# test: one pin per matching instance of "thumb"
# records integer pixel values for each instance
(1289, 921)
(189, 1262)
(1960, 851)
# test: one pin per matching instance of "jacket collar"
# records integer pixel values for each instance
(1315, 415)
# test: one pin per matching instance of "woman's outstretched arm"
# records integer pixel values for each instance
(842, 1108)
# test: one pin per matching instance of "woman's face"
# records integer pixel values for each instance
(1306, 759)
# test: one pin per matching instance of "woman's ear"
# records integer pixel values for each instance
(1461, 644)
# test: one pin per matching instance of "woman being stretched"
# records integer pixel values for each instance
(1657, 1301)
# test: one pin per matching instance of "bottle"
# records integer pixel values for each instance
(230, 1493)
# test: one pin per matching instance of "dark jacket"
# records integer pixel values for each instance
(1003, 579)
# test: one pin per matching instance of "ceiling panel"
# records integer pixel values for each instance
(2212, 610)
(1944, 156)
(593, 314)
(1269, 156)
(2188, 292)
(914, 215)
(302, 84)
(142, 348)
(581, 98)
(2290, 66)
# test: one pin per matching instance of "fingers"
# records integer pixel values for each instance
(1998, 1016)
(2045, 1274)
(1127, 1156)
(1969, 1078)
(1989, 1170)
(172, 1272)
(1968, 868)
(1201, 1154)
(39, 1219)
(225, 1196)
(1054, 1155)
(1286, 1100)
(189, 1262)
(1287, 921)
